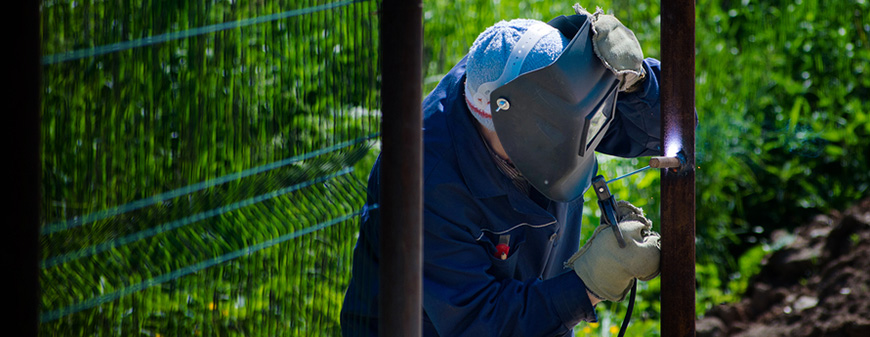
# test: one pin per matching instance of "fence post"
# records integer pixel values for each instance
(401, 240)
(21, 122)
(678, 187)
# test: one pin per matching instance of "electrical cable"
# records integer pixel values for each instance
(627, 318)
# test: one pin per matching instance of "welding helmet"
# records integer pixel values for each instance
(550, 120)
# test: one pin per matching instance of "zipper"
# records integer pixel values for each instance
(512, 228)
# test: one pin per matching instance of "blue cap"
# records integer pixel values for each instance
(490, 52)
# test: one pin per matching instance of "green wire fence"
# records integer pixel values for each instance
(204, 164)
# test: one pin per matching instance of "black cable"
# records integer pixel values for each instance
(630, 309)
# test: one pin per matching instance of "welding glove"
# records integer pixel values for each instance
(608, 270)
(617, 47)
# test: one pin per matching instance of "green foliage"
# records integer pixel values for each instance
(716, 291)
(131, 124)
(793, 73)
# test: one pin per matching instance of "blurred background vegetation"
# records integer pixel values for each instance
(202, 164)
(781, 90)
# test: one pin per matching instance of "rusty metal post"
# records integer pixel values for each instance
(678, 187)
(21, 121)
(401, 240)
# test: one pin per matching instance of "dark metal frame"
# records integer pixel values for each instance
(401, 240)
(678, 186)
(21, 121)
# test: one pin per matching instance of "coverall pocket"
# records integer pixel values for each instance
(528, 247)
(504, 250)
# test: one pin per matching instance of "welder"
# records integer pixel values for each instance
(510, 136)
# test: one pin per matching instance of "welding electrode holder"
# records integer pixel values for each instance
(607, 204)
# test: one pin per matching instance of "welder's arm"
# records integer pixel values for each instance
(636, 129)
(462, 299)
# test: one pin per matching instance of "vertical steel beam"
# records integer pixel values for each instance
(678, 186)
(401, 240)
(21, 122)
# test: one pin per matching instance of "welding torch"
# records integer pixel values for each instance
(606, 200)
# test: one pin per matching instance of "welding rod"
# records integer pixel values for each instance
(665, 162)
(628, 174)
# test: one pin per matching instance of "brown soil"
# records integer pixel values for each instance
(817, 285)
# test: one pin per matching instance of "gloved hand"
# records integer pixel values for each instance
(609, 271)
(617, 47)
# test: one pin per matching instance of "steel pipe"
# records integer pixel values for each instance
(678, 187)
(401, 266)
(22, 124)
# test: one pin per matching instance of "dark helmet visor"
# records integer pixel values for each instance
(552, 119)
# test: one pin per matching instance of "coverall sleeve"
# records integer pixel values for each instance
(462, 299)
(636, 130)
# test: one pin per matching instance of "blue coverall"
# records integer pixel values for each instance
(469, 205)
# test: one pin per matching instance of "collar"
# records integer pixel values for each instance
(506, 167)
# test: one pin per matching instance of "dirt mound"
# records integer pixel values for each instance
(817, 285)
